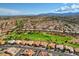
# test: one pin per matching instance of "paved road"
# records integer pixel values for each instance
(54, 53)
(20, 52)
(56, 31)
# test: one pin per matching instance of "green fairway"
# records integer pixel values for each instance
(41, 36)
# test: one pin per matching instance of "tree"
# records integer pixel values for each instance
(19, 25)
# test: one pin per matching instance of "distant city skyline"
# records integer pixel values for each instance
(37, 8)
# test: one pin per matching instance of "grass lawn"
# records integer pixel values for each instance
(41, 36)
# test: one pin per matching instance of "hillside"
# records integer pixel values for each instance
(50, 23)
(48, 32)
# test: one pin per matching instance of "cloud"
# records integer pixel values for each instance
(75, 6)
(68, 8)
(4, 11)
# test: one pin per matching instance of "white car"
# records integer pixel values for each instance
(11, 41)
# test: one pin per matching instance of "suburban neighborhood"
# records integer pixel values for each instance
(39, 29)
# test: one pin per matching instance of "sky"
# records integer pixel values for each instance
(37, 8)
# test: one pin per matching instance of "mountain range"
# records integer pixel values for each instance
(59, 14)
(49, 14)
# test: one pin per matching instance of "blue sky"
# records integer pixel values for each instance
(37, 8)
